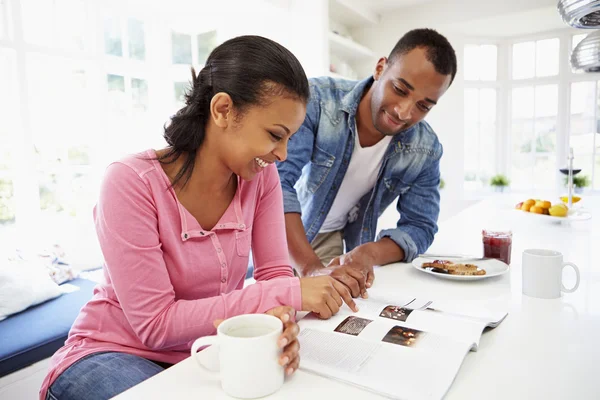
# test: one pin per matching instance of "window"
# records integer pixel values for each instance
(8, 131)
(534, 118)
(113, 38)
(59, 24)
(139, 94)
(480, 137)
(206, 43)
(480, 115)
(137, 41)
(63, 141)
(535, 59)
(116, 44)
(80, 112)
(584, 127)
(4, 24)
(181, 48)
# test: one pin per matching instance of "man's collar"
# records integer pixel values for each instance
(351, 100)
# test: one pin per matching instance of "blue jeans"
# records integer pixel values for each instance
(101, 376)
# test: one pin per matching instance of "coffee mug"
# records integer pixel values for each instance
(542, 274)
(248, 355)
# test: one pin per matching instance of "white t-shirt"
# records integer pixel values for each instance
(360, 178)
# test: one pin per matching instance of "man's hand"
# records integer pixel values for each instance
(355, 270)
(355, 279)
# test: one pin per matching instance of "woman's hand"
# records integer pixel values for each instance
(324, 295)
(290, 357)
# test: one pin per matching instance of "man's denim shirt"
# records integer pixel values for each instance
(318, 158)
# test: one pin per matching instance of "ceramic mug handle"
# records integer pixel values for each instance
(205, 341)
(574, 288)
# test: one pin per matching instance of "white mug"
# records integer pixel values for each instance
(248, 355)
(542, 274)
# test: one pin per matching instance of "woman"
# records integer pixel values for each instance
(176, 226)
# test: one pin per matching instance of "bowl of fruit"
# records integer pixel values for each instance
(556, 211)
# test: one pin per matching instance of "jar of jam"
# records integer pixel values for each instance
(497, 244)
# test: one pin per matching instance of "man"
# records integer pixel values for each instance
(361, 146)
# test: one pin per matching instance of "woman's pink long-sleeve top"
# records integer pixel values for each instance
(168, 279)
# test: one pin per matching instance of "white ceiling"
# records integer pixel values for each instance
(494, 18)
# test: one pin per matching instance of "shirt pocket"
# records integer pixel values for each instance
(320, 165)
(243, 241)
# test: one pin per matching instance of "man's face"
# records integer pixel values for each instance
(404, 91)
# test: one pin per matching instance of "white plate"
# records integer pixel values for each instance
(574, 214)
(492, 268)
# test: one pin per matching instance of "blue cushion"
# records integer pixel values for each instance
(36, 333)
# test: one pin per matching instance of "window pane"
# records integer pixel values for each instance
(37, 21)
(597, 174)
(521, 172)
(546, 100)
(9, 104)
(545, 134)
(60, 85)
(522, 160)
(117, 102)
(582, 123)
(182, 48)
(522, 103)
(206, 43)
(113, 42)
(71, 23)
(489, 56)
(598, 116)
(4, 19)
(487, 134)
(471, 63)
(471, 142)
(137, 41)
(544, 173)
(7, 202)
(139, 94)
(66, 194)
(180, 89)
(547, 57)
(523, 63)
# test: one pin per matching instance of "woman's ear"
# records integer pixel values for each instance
(221, 109)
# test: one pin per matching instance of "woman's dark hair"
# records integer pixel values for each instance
(247, 68)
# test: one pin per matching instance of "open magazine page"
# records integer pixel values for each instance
(376, 316)
(403, 348)
(404, 364)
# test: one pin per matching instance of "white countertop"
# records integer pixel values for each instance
(544, 349)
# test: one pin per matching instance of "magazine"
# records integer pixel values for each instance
(402, 348)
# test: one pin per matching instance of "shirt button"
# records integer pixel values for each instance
(223, 265)
(219, 250)
(185, 236)
(242, 226)
(202, 233)
(223, 280)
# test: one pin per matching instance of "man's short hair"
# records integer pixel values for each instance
(438, 50)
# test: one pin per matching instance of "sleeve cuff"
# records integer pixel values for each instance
(403, 240)
(291, 203)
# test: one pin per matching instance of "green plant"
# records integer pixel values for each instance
(499, 180)
(442, 183)
(579, 181)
